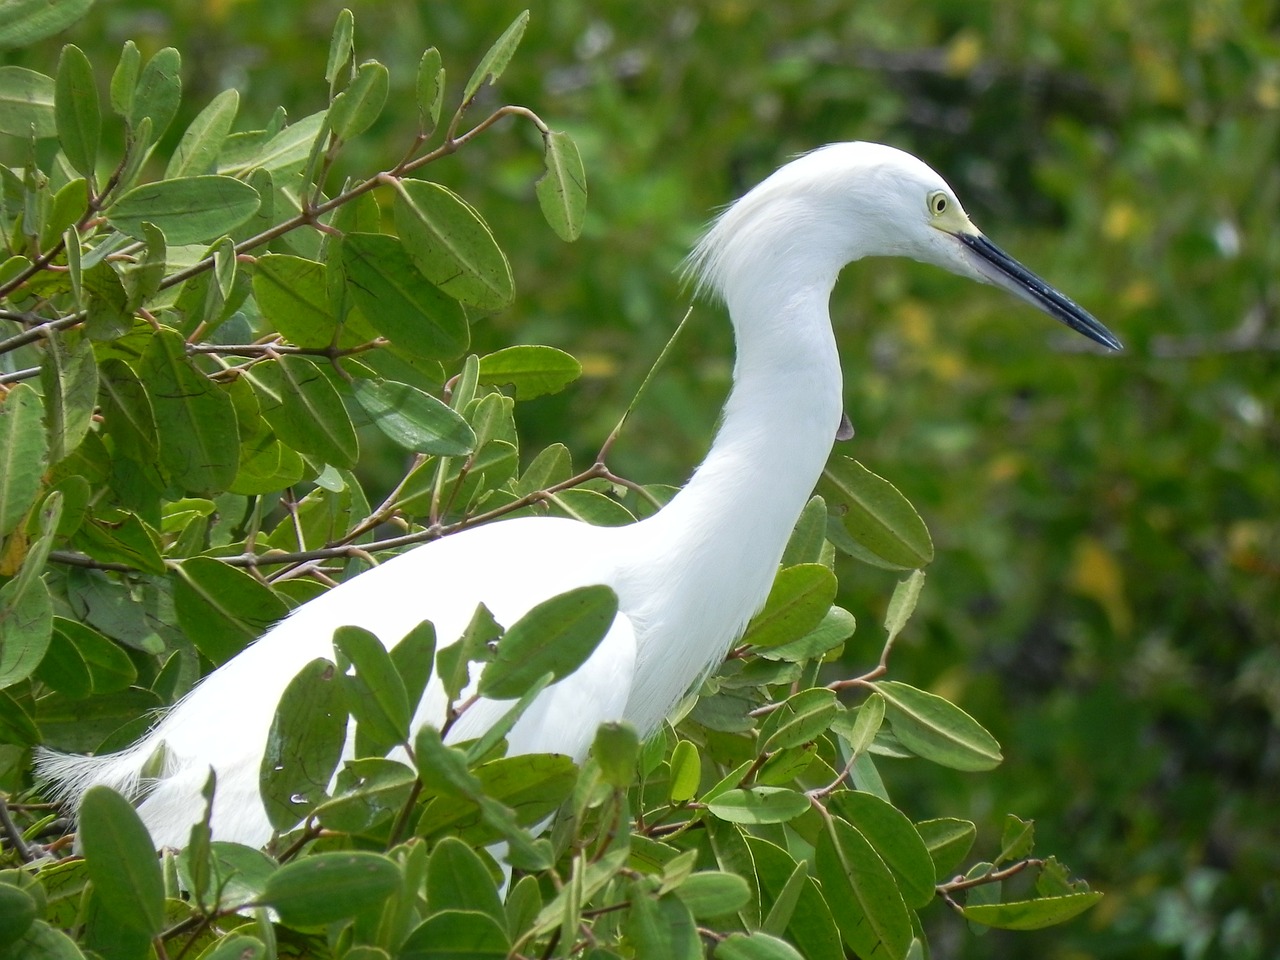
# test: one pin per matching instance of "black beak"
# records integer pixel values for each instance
(999, 268)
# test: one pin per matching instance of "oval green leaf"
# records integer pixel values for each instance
(533, 370)
(871, 913)
(157, 95)
(122, 861)
(755, 946)
(686, 771)
(222, 609)
(23, 455)
(415, 420)
(880, 525)
(199, 443)
(562, 190)
(714, 894)
(324, 887)
(188, 210)
(948, 841)
(304, 744)
(895, 838)
(938, 730)
(554, 637)
(354, 110)
(759, 805)
(26, 21)
(291, 293)
(457, 879)
(452, 245)
(1031, 914)
(305, 410)
(800, 719)
(77, 112)
(401, 303)
(497, 57)
(453, 934)
(797, 602)
(197, 151)
(375, 693)
(26, 103)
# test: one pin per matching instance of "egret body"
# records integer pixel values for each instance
(687, 579)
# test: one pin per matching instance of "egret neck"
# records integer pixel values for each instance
(697, 570)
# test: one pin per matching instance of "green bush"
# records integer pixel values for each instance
(201, 334)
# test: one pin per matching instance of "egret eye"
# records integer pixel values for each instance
(938, 203)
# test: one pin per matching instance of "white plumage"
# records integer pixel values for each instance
(687, 579)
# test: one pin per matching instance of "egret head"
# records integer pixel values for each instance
(847, 201)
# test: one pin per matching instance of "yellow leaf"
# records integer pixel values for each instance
(1096, 574)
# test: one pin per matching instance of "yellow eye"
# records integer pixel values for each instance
(938, 203)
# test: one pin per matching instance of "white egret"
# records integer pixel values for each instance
(687, 579)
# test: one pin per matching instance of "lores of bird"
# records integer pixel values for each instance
(687, 579)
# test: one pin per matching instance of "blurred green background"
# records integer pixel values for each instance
(1106, 596)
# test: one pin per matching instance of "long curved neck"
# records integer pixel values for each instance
(703, 565)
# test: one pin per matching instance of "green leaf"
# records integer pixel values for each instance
(824, 641)
(222, 609)
(197, 151)
(26, 21)
(323, 887)
(199, 444)
(445, 768)
(532, 785)
(452, 245)
(355, 109)
(1031, 914)
(453, 659)
(291, 294)
(17, 914)
(1017, 839)
(23, 454)
(937, 729)
(124, 79)
(26, 103)
(26, 626)
(870, 911)
(454, 935)
(859, 727)
(122, 861)
(797, 602)
(759, 805)
(110, 669)
(342, 48)
(238, 946)
(430, 89)
(122, 538)
(457, 879)
(895, 839)
(800, 719)
(415, 420)
(948, 841)
(616, 749)
(69, 375)
(188, 210)
(755, 946)
(399, 302)
(533, 370)
(368, 791)
(562, 190)
(881, 526)
(686, 772)
(375, 693)
(498, 56)
(304, 745)
(902, 604)
(77, 113)
(661, 928)
(556, 637)
(413, 657)
(714, 894)
(127, 414)
(156, 96)
(305, 410)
